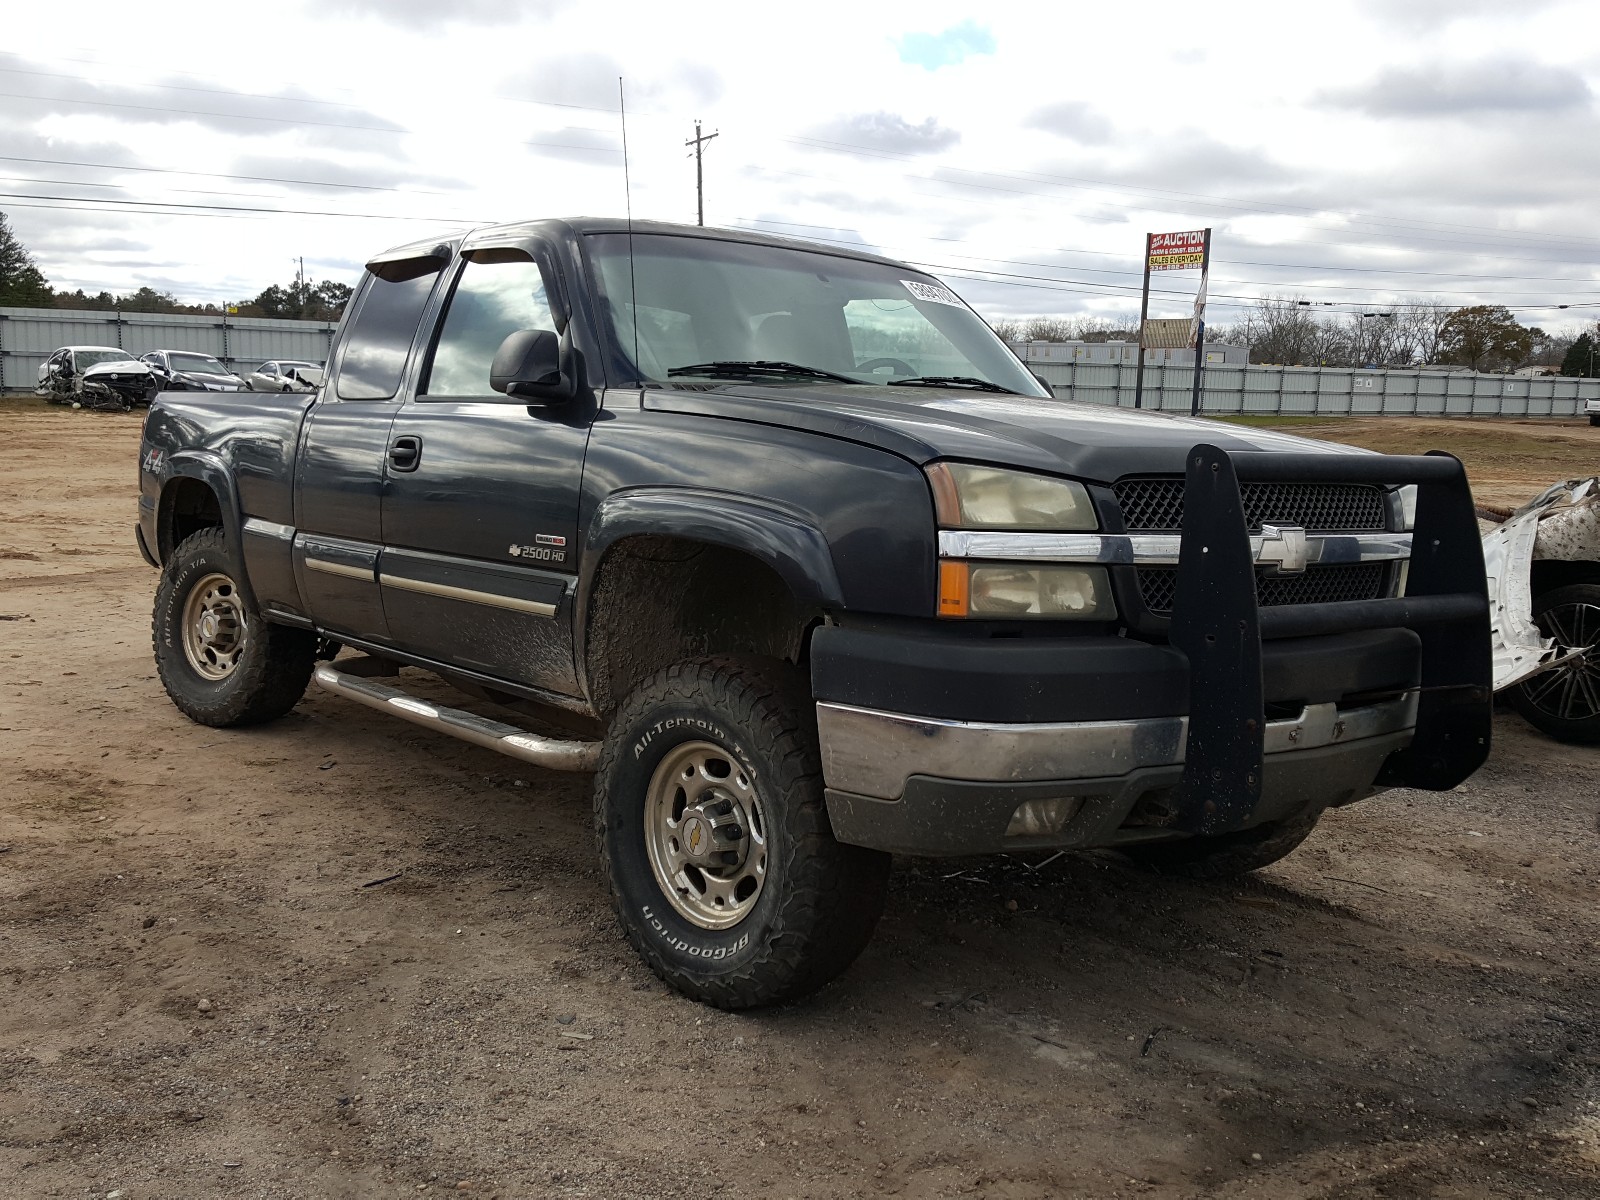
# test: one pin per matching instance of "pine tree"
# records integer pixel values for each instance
(1581, 358)
(21, 281)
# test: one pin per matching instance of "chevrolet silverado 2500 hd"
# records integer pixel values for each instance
(825, 570)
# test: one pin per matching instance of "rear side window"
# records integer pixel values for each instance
(375, 348)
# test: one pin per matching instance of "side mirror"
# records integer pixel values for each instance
(534, 365)
(1048, 386)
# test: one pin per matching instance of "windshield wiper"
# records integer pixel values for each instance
(966, 381)
(737, 369)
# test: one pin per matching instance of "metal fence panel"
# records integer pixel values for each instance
(28, 336)
(1322, 391)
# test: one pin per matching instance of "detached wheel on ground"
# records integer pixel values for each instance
(713, 835)
(221, 663)
(1565, 700)
(1226, 854)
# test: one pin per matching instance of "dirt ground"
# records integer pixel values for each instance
(341, 956)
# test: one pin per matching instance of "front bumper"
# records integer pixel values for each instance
(1249, 713)
(923, 785)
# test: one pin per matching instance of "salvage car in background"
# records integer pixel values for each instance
(95, 377)
(284, 376)
(1543, 562)
(187, 371)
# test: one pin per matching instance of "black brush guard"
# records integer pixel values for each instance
(1218, 624)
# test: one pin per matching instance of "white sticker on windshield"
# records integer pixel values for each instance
(933, 293)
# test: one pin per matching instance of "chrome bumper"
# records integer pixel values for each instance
(873, 754)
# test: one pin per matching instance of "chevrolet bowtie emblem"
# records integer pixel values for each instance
(1283, 549)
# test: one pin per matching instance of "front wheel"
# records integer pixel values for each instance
(220, 661)
(1564, 701)
(1225, 855)
(709, 814)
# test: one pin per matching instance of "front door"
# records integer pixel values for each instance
(480, 508)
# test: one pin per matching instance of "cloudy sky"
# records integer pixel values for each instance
(1374, 151)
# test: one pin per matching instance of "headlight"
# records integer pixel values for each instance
(1001, 590)
(1408, 506)
(971, 497)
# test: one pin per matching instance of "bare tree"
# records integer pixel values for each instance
(1047, 329)
(1419, 328)
(1282, 329)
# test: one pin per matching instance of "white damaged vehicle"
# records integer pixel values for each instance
(1543, 563)
(95, 377)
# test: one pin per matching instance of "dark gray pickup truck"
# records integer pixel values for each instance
(815, 570)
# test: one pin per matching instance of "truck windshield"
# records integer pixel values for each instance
(713, 309)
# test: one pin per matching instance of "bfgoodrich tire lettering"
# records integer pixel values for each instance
(262, 670)
(817, 900)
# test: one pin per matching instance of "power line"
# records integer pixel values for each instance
(1334, 233)
(1202, 197)
(1231, 262)
(363, 187)
(1128, 287)
(102, 202)
(295, 121)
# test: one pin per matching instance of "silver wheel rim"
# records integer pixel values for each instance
(214, 628)
(706, 834)
(1570, 692)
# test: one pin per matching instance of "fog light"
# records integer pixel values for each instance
(1040, 818)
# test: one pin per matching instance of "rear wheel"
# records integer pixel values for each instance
(723, 869)
(220, 661)
(1565, 700)
(1225, 854)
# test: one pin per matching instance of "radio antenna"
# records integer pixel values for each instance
(627, 192)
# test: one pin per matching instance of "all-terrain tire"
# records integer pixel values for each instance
(818, 899)
(1564, 702)
(1228, 854)
(272, 665)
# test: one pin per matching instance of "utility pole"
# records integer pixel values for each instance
(698, 141)
(1200, 324)
(1144, 313)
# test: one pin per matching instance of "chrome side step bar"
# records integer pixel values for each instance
(550, 753)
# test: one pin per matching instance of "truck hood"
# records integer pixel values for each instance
(1088, 441)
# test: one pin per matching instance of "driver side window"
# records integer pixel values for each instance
(492, 299)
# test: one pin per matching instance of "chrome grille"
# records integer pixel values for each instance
(1156, 505)
(1316, 585)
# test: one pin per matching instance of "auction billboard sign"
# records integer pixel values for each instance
(1177, 251)
(1174, 252)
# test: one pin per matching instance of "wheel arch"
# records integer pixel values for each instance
(199, 494)
(1548, 574)
(678, 573)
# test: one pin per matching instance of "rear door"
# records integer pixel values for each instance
(480, 513)
(344, 445)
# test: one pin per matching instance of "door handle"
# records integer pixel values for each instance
(405, 453)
